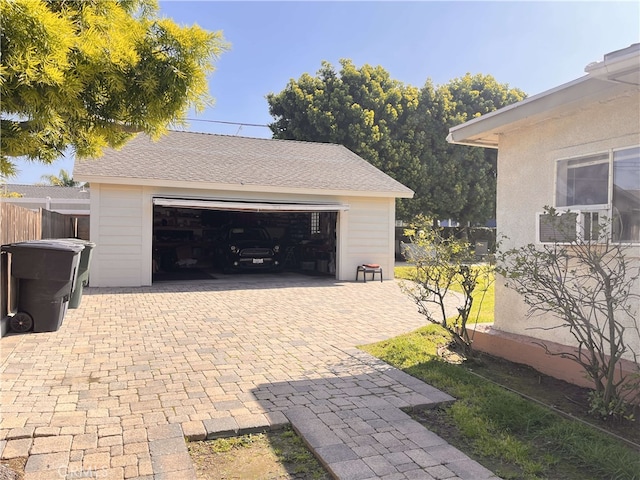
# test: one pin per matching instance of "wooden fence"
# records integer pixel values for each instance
(18, 224)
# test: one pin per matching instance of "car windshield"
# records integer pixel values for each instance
(248, 234)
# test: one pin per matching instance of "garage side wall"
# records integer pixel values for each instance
(117, 230)
(370, 236)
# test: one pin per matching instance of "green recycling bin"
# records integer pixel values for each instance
(83, 269)
(46, 272)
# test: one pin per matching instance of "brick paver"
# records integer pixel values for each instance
(133, 371)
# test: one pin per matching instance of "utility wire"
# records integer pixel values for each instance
(241, 124)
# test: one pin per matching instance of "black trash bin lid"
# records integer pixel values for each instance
(44, 245)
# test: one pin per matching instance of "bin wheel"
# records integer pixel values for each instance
(21, 322)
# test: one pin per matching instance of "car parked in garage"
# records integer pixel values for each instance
(247, 248)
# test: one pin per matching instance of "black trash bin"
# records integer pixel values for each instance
(83, 269)
(46, 271)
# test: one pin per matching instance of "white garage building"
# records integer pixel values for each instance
(158, 206)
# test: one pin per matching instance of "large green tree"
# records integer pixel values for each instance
(468, 173)
(88, 74)
(401, 130)
(361, 108)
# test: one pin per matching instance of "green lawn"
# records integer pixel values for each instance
(483, 301)
(514, 437)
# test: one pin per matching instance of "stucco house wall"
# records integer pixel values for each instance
(598, 113)
(526, 171)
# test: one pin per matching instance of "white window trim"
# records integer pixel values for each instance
(608, 207)
(599, 206)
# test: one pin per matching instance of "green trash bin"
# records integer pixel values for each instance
(83, 269)
(46, 272)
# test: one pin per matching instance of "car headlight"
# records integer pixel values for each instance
(276, 248)
(234, 249)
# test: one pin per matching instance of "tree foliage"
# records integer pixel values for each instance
(401, 130)
(90, 74)
(363, 109)
(467, 175)
(63, 179)
(442, 266)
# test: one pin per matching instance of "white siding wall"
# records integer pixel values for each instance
(371, 236)
(117, 230)
(122, 222)
(526, 176)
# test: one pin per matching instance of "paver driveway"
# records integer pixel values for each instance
(132, 371)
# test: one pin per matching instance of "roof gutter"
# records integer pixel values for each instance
(620, 67)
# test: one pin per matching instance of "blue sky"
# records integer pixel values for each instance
(533, 46)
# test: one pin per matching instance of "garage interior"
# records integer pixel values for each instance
(187, 241)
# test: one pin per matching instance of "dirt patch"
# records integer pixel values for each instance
(266, 456)
(12, 469)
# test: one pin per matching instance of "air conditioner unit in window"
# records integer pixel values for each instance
(573, 226)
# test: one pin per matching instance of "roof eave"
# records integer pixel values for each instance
(483, 131)
(94, 180)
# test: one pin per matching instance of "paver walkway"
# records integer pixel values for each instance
(132, 372)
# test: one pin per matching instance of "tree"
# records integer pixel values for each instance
(401, 130)
(443, 265)
(363, 109)
(63, 179)
(462, 180)
(590, 286)
(89, 74)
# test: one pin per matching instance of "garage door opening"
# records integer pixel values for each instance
(192, 242)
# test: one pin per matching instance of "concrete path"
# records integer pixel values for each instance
(133, 372)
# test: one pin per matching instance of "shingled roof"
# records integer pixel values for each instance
(207, 159)
(44, 191)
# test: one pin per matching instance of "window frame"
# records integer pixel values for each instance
(585, 207)
(601, 207)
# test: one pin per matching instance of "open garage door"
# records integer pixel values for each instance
(200, 238)
(249, 206)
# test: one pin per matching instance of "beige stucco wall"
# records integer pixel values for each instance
(526, 182)
(122, 226)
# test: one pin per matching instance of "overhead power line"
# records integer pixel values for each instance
(241, 124)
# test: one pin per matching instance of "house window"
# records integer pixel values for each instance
(626, 195)
(583, 182)
(606, 185)
(315, 222)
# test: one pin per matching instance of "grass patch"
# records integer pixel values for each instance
(483, 307)
(514, 437)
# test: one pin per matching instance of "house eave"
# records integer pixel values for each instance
(484, 131)
(622, 66)
(618, 72)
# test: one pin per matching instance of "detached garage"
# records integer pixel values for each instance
(182, 206)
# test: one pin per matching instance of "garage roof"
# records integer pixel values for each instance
(51, 191)
(200, 160)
